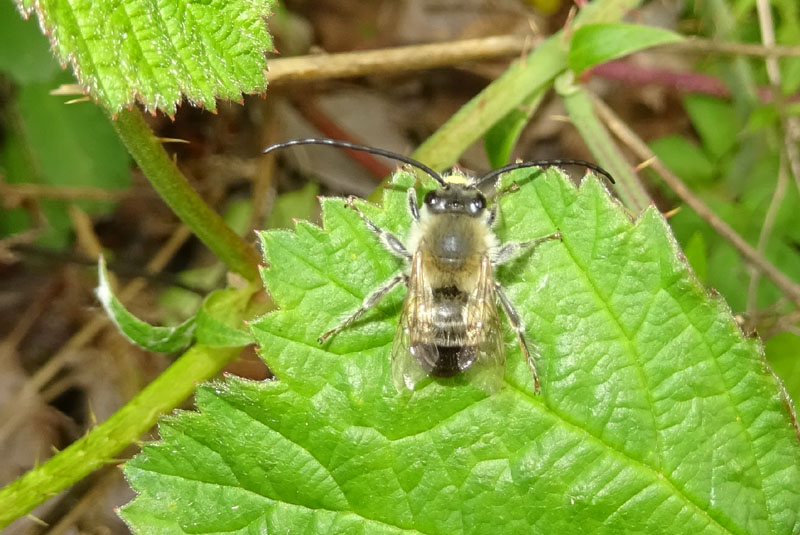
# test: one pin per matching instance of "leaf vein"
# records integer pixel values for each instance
(267, 425)
(273, 500)
(644, 467)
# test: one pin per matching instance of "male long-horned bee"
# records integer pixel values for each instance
(449, 322)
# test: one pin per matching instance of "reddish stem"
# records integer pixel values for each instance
(316, 116)
(687, 82)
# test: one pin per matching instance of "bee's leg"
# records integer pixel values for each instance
(412, 203)
(369, 302)
(519, 328)
(492, 216)
(511, 250)
(391, 242)
(513, 188)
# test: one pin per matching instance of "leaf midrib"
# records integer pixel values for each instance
(567, 424)
(523, 395)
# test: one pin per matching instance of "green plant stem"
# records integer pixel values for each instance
(596, 137)
(100, 446)
(173, 187)
(509, 91)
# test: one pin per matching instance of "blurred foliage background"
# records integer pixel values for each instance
(68, 191)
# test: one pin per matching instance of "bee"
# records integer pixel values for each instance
(449, 323)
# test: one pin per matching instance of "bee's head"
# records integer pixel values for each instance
(456, 199)
(457, 194)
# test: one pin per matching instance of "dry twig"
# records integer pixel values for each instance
(392, 60)
(790, 124)
(734, 49)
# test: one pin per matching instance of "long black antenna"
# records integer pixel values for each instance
(542, 163)
(363, 148)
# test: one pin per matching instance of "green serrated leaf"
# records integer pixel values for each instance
(593, 44)
(152, 338)
(221, 319)
(157, 53)
(657, 415)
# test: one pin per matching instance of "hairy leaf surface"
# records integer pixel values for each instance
(657, 415)
(158, 52)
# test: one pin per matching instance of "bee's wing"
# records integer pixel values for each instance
(485, 333)
(415, 322)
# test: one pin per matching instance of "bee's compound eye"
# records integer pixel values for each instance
(478, 204)
(431, 198)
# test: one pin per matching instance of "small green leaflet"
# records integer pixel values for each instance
(220, 319)
(501, 138)
(144, 335)
(684, 158)
(156, 53)
(219, 322)
(716, 123)
(593, 44)
(657, 415)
